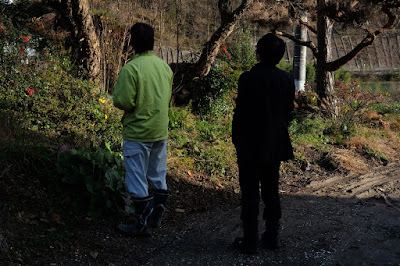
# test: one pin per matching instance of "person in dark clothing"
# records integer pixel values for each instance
(264, 108)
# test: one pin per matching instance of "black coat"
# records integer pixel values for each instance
(264, 108)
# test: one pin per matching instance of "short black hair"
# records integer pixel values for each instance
(271, 48)
(142, 37)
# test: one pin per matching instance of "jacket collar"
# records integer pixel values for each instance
(263, 65)
(147, 53)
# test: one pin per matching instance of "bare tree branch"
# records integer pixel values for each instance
(391, 17)
(308, 44)
(308, 25)
(368, 40)
(335, 65)
(352, 5)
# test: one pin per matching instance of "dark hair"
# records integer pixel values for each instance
(271, 49)
(142, 37)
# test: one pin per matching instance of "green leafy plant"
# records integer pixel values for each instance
(288, 67)
(95, 181)
(212, 93)
(180, 117)
(375, 154)
(387, 108)
(310, 129)
(54, 103)
(343, 75)
(243, 50)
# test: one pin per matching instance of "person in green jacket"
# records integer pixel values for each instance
(143, 91)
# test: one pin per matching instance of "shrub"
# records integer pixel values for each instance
(285, 66)
(351, 99)
(94, 181)
(42, 94)
(243, 51)
(311, 129)
(288, 67)
(310, 72)
(181, 117)
(58, 105)
(387, 108)
(343, 75)
(217, 159)
(214, 92)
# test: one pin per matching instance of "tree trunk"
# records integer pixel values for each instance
(325, 79)
(211, 48)
(89, 44)
(186, 72)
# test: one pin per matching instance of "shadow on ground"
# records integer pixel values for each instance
(342, 220)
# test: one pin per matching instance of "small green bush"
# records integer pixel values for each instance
(285, 66)
(311, 129)
(212, 94)
(243, 51)
(288, 67)
(311, 74)
(343, 74)
(209, 131)
(181, 117)
(387, 108)
(94, 181)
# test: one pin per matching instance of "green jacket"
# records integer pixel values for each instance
(143, 91)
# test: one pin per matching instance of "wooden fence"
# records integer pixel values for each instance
(170, 55)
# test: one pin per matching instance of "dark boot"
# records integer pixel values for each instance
(270, 238)
(160, 202)
(245, 246)
(143, 210)
(248, 244)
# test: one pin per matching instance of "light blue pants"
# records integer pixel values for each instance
(145, 162)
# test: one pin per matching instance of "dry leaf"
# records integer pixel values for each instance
(57, 218)
(94, 254)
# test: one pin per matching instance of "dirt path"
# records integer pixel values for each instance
(336, 220)
(350, 220)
